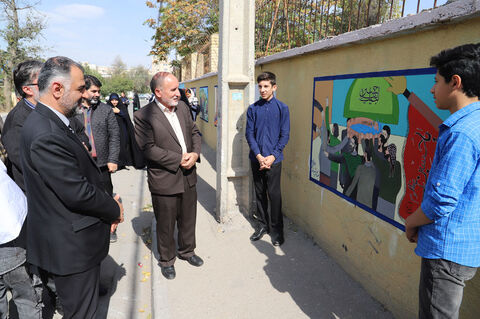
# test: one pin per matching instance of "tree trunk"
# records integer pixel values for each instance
(12, 50)
(7, 89)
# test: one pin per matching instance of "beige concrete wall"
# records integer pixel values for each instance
(208, 129)
(374, 252)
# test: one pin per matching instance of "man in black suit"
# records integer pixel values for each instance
(25, 77)
(69, 214)
(14, 274)
(171, 145)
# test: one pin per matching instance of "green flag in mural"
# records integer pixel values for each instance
(370, 98)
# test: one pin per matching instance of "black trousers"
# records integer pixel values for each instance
(106, 179)
(171, 209)
(78, 293)
(267, 187)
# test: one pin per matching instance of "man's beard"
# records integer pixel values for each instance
(69, 105)
(170, 103)
(94, 101)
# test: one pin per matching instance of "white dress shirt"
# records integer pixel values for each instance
(173, 120)
(13, 205)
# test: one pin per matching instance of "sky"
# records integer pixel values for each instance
(98, 31)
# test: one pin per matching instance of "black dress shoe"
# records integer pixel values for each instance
(193, 260)
(278, 241)
(258, 234)
(168, 272)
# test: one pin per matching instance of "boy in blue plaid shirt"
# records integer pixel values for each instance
(446, 227)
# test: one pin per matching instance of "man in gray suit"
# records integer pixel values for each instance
(171, 143)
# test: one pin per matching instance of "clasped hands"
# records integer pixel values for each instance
(188, 160)
(265, 162)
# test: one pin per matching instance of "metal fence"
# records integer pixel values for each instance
(285, 24)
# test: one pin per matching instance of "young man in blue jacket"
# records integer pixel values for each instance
(267, 133)
(446, 225)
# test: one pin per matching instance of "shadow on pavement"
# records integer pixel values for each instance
(142, 225)
(110, 274)
(316, 284)
(206, 196)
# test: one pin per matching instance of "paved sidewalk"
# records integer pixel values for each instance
(241, 279)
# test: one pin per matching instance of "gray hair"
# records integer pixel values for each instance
(56, 69)
(158, 79)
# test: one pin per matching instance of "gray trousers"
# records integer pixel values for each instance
(24, 295)
(441, 288)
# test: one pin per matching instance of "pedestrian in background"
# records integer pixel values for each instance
(192, 103)
(136, 102)
(130, 154)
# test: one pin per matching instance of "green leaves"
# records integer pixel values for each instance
(182, 25)
(20, 34)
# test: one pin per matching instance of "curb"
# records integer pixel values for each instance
(159, 289)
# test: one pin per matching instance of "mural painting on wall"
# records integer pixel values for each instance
(203, 102)
(374, 137)
(215, 121)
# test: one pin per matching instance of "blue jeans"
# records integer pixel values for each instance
(441, 288)
(27, 298)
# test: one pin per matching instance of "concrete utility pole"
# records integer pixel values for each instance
(236, 91)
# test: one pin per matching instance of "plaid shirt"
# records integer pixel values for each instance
(452, 193)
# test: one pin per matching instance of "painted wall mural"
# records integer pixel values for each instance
(203, 102)
(374, 137)
(215, 121)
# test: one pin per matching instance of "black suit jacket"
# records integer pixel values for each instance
(161, 148)
(12, 131)
(69, 214)
(11, 136)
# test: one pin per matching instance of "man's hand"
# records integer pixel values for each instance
(120, 218)
(268, 161)
(261, 161)
(188, 160)
(112, 167)
(411, 233)
(413, 222)
(398, 84)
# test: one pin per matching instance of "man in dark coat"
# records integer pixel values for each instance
(171, 144)
(25, 78)
(13, 269)
(69, 216)
(102, 130)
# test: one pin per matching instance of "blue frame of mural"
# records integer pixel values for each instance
(395, 73)
(203, 106)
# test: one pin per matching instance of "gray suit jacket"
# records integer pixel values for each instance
(161, 148)
(106, 133)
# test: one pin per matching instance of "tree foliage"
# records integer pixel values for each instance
(283, 24)
(122, 79)
(182, 25)
(118, 66)
(20, 34)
